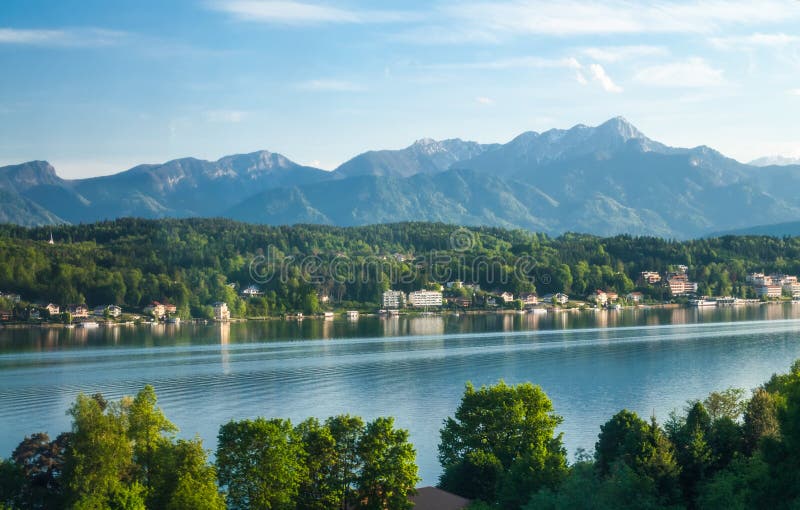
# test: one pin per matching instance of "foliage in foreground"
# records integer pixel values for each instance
(124, 456)
(724, 453)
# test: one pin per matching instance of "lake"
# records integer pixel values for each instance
(591, 364)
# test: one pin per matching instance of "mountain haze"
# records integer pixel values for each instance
(604, 180)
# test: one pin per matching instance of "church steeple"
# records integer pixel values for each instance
(51, 238)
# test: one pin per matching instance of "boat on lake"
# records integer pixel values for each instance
(88, 324)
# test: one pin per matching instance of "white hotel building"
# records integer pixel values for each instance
(394, 299)
(422, 298)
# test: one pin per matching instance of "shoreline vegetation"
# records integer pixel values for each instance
(134, 266)
(500, 449)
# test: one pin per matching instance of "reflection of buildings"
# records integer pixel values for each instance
(224, 336)
(391, 326)
(426, 325)
(508, 322)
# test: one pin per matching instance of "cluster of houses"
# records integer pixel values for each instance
(774, 285)
(395, 299)
(677, 281)
(160, 311)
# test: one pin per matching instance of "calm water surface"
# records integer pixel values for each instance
(591, 364)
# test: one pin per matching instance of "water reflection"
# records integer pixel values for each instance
(56, 338)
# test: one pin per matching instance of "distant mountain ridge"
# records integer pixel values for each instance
(603, 180)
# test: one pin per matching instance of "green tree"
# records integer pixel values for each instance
(148, 429)
(760, 419)
(388, 471)
(346, 431)
(728, 403)
(320, 489)
(515, 424)
(261, 464)
(99, 458)
(183, 479)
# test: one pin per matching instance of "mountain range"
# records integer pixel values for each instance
(604, 180)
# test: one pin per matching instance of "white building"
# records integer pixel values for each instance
(394, 299)
(770, 291)
(422, 298)
(221, 312)
(252, 291)
(113, 311)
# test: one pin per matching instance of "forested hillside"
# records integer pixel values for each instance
(194, 262)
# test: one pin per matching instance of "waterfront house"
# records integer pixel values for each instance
(52, 309)
(634, 297)
(458, 301)
(78, 311)
(170, 308)
(507, 297)
(221, 312)
(611, 295)
(559, 298)
(6, 315)
(155, 309)
(600, 297)
(529, 298)
(112, 310)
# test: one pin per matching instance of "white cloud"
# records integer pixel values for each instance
(692, 73)
(485, 100)
(599, 74)
(619, 53)
(226, 116)
(332, 85)
(776, 40)
(61, 37)
(514, 63)
(571, 17)
(299, 13)
(794, 92)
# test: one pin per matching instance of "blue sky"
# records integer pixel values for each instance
(95, 87)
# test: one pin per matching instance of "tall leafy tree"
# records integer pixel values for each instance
(320, 489)
(149, 430)
(260, 463)
(388, 472)
(99, 462)
(346, 431)
(514, 424)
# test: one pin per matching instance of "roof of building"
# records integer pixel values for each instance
(433, 498)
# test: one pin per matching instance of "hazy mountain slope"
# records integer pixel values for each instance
(775, 160)
(457, 196)
(423, 156)
(604, 180)
(791, 228)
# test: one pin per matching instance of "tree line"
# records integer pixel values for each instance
(195, 262)
(725, 452)
(124, 455)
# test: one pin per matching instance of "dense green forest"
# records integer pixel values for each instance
(195, 262)
(501, 449)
